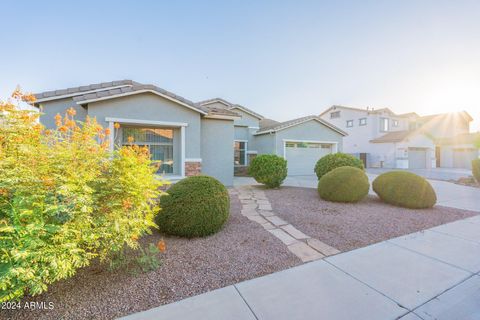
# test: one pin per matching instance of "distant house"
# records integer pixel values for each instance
(382, 138)
(211, 137)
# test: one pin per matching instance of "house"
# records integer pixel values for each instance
(384, 139)
(210, 137)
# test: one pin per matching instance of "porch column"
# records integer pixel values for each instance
(111, 137)
(182, 152)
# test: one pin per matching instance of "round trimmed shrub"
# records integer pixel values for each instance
(269, 170)
(405, 189)
(196, 206)
(344, 184)
(336, 160)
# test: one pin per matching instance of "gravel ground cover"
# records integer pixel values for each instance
(351, 226)
(242, 250)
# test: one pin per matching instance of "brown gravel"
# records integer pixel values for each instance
(351, 226)
(242, 250)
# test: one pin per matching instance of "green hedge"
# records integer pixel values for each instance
(344, 184)
(476, 169)
(405, 189)
(194, 207)
(269, 170)
(336, 160)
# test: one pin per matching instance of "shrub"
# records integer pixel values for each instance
(194, 207)
(65, 199)
(269, 170)
(405, 189)
(344, 184)
(336, 160)
(476, 169)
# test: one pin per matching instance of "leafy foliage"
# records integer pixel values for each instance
(194, 207)
(335, 160)
(65, 199)
(344, 184)
(405, 189)
(476, 169)
(269, 170)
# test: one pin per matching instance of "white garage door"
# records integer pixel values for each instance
(302, 156)
(417, 158)
(462, 158)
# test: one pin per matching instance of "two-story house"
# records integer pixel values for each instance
(382, 138)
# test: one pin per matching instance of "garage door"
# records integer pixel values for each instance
(417, 158)
(302, 156)
(462, 158)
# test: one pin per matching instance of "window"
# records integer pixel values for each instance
(158, 140)
(384, 124)
(362, 121)
(395, 123)
(310, 145)
(349, 123)
(240, 153)
(335, 114)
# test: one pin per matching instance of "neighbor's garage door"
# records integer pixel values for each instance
(417, 158)
(462, 158)
(302, 156)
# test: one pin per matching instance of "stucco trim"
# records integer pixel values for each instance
(221, 117)
(151, 122)
(139, 92)
(333, 143)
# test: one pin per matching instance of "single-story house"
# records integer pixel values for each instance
(210, 137)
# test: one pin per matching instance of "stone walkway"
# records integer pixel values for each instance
(256, 207)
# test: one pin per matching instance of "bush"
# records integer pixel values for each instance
(476, 169)
(344, 184)
(336, 160)
(269, 170)
(65, 199)
(405, 189)
(194, 207)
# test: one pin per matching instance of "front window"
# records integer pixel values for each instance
(395, 123)
(349, 123)
(384, 124)
(362, 121)
(158, 140)
(335, 114)
(240, 153)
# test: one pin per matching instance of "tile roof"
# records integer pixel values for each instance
(101, 95)
(394, 136)
(229, 105)
(283, 125)
(81, 89)
(267, 123)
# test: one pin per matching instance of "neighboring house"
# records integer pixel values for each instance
(382, 138)
(186, 138)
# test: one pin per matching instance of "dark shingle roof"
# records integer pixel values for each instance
(282, 125)
(79, 90)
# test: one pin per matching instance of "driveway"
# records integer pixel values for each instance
(448, 194)
(445, 174)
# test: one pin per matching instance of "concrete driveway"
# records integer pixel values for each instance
(448, 194)
(445, 174)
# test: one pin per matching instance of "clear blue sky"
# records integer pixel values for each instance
(283, 59)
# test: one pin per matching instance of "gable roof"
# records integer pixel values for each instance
(230, 106)
(295, 122)
(393, 136)
(369, 111)
(75, 91)
(267, 123)
(137, 89)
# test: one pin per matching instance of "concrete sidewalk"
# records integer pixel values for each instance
(432, 274)
(448, 194)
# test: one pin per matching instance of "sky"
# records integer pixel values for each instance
(283, 59)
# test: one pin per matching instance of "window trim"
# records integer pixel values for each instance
(245, 160)
(360, 122)
(395, 123)
(350, 121)
(382, 124)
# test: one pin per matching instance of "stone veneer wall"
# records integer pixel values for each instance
(193, 168)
